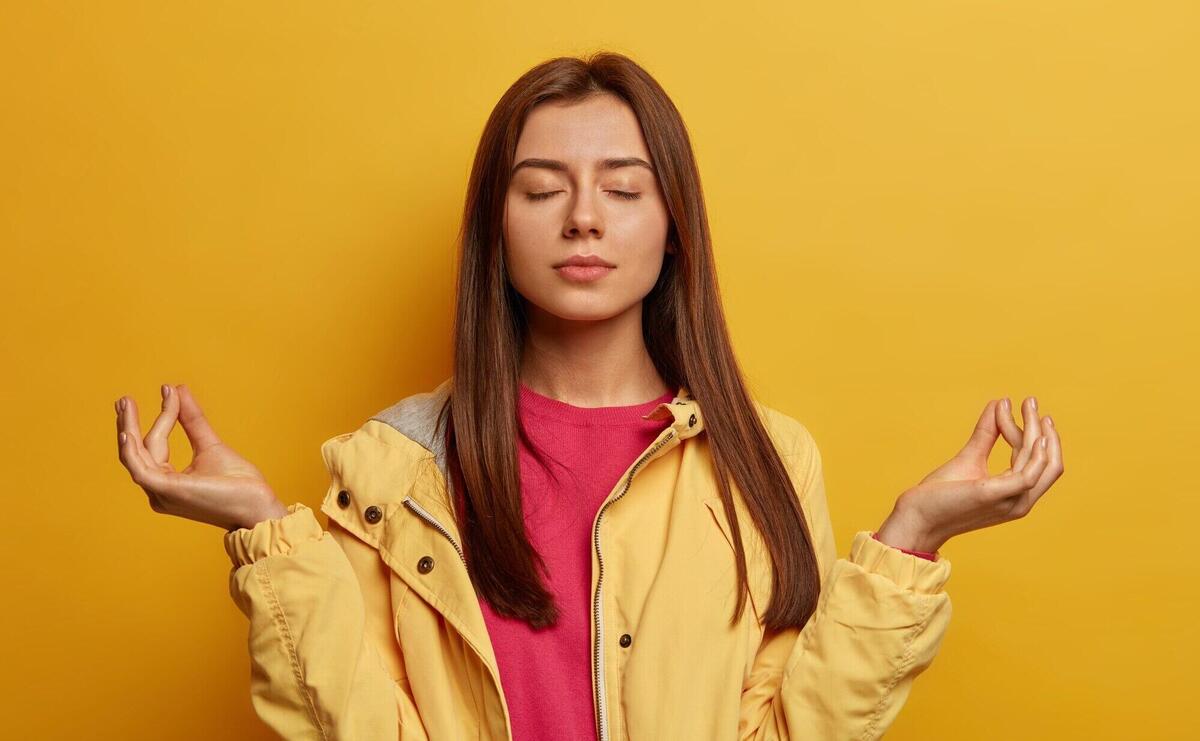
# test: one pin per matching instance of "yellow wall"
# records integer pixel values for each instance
(917, 206)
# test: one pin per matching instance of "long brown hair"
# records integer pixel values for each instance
(685, 334)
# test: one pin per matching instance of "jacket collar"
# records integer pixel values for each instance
(417, 418)
(683, 410)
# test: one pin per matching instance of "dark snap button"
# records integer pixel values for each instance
(425, 565)
(373, 514)
(343, 499)
(692, 421)
(626, 639)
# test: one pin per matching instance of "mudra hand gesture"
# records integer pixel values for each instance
(960, 496)
(219, 487)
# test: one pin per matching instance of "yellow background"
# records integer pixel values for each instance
(917, 206)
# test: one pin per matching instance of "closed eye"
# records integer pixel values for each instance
(622, 194)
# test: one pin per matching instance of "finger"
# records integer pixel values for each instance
(1054, 466)
(1030, 434)
(1012, 482)
(1031, 475)
(157, 440)
(983, 437)
(1054, 444)
(128, 423)
(140, 468)
(1008, 428)
(195, 424)
(1037, 463)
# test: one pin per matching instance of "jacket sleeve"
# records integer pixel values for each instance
(879, 622)
(315, 672)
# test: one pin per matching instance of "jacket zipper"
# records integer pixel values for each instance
(598, 649)
(597, 654)
(411, 504)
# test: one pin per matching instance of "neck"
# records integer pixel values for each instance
(590, 363)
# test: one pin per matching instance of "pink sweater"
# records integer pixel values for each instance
(547, 675)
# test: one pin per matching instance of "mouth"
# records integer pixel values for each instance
(583, 273)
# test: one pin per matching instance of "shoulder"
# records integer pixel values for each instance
(414, 420)
(796, 445)
(416, 416)
(412, 424)
(396, 439)
(790, 434)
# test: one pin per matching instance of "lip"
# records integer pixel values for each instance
(584, 268)
(583, 273)
(585, 261)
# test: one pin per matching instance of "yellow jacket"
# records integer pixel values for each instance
(372, 630)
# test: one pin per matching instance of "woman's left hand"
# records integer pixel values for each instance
(960, 496)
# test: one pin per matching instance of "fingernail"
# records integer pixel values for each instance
(1049, 421)
(1005, 403)
(1033, 403)
(122, 437)
(166, 391)
(122, 403)
(1042, 442)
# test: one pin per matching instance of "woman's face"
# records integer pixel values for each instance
(582, 184)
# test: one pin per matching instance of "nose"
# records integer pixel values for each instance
(584, 217)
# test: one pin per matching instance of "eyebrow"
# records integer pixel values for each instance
(611, 163)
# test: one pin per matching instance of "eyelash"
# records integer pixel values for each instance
(623, 195)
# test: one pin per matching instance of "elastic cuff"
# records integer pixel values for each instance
(908, 571)
(273, 537)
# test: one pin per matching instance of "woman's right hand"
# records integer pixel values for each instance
(219, 487)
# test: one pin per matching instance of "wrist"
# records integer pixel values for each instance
(904, 531)
(272, 509)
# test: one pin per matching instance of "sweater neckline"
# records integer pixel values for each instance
(532, 402)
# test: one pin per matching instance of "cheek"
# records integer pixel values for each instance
(523, 248)
(642, 234)
(523, 226)
(645, 223)
(644, 272)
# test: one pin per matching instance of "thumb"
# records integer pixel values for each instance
(193, 421)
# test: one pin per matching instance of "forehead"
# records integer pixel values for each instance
(582, 133)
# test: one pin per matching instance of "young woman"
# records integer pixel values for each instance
(591, 529)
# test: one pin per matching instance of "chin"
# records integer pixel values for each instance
(581, 311)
